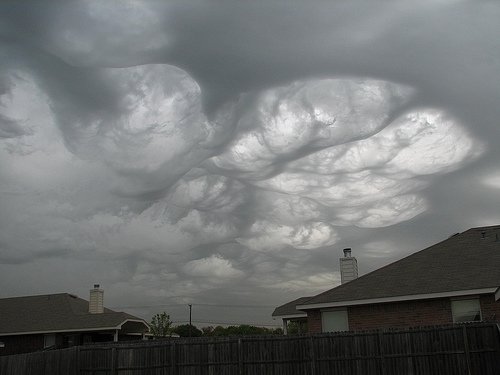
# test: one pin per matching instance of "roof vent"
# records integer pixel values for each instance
(483, 235)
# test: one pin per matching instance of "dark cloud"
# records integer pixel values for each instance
(224, 152)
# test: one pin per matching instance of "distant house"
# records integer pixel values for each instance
(41, 322)
(288, 313)
(456, 280)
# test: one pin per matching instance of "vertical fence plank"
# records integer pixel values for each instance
(77, 361)
(466, 349)
(312, 353)
(240, 357)
(173, 358)
(114, 364)
(380, 340)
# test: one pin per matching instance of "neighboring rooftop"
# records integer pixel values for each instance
(55, 312)
(288, 309)
(465, 261)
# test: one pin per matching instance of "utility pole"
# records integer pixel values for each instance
(190, 326)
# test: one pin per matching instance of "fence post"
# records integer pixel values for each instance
(380, 335)
(313, 355)
(240, 357)
(466, 349)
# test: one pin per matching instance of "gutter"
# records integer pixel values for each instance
(413, 297)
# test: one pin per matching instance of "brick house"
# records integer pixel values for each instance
(49, 321)
(456, 280)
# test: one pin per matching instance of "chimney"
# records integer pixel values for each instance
(348, 267)
(96, 301)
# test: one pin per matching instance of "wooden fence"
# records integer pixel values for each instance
(454, 350)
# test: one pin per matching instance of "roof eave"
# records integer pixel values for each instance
(135, 321)
(290, 316)
(59, 331)
(111, 328)
(413, 297)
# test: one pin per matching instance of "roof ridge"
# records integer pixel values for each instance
(486, 227)
(40, 295)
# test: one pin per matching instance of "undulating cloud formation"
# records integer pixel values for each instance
(223, 153)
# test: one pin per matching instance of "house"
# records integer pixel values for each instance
(288, 313)
(456, 280)
(41, 322)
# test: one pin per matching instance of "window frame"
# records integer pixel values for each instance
(47, 340)
(475, 299)
(339, 310)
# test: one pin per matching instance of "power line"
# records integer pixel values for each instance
(144, 306)
(197, 304)
(239, 306)
(230, 323)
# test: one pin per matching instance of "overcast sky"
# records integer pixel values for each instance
(223, 153)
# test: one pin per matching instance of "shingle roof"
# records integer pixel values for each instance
(465, 261)
(54, 312)
(289, 308)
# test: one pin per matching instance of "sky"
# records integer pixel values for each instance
(223, 153)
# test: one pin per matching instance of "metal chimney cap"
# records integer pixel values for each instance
(347, 252)
(96, 286)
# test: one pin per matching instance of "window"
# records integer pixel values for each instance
(49, 340)
(466, 310)
(333, 321)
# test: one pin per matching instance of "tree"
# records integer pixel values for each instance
(161, 325)
(297, 327)
(208, 331)
(241, 330)
(185, 330)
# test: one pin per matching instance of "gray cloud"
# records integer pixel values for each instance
(224, 152)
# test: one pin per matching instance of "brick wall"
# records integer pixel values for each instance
(400, 314)
(405, 314)
(314, 321)
(490, 308)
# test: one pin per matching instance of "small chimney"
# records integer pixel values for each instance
(348, 267)
(96, 301)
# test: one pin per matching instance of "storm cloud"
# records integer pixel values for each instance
(222, 153)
